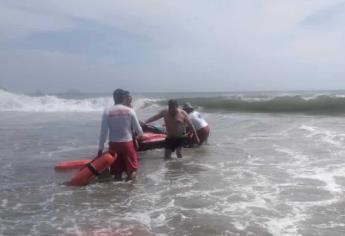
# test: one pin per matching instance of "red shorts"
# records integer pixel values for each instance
(127, 159)
(203, 134)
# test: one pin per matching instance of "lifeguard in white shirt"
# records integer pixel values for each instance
(200, 124)
(119, 123)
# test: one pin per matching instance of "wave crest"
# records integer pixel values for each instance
(323, 104)
(48, 103)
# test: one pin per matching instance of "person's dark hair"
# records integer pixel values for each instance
(187, 107)
(126, 94)
(119, 95)
(172, 103)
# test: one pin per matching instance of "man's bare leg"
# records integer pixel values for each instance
(179, 152)
(167, 153)
(132, 176)
(118, 177)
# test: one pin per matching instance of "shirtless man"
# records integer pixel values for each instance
(175, 121)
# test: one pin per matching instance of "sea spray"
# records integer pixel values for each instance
(323, 104)
(330, 104)
(51, 103)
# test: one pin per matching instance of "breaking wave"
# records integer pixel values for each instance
(317, 104)
(49, 103)
(322, 104)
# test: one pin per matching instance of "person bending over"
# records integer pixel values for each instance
(120, 121)
(175, 121)
(200, 124)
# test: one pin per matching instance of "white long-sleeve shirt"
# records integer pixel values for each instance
(120, 122)
(197, 120)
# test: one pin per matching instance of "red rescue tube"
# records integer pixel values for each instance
(92, 169)
(66, 165)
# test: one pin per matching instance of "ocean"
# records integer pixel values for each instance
(274, 165)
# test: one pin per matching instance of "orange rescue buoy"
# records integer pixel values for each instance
(92, 169)
(66, 165)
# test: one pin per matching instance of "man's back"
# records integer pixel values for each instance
(175, 125)
(120, 121)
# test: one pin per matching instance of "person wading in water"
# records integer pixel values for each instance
(176, 121)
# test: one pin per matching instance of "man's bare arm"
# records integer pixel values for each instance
(155, 117)
(103, 133)
(191, 126)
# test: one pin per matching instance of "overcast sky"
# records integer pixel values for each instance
(165, 46)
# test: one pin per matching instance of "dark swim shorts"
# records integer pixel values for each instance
(173, 143)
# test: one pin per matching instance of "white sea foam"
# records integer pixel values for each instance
(159, 221)
(65, 149)
(325, 135)
(240, 225)
(298, 158)
(48, 103)
(286, 226)
(157, 176)
(330, 225)
(4, 203)
(204, 166)
(308, 171)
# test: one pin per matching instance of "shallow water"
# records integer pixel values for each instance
(260, 174)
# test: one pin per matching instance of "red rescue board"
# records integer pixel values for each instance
(151, 141)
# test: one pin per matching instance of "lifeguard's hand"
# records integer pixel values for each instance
(197, 140)
(136, 144)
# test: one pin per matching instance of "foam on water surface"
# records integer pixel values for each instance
(52, 103)
(261, 174)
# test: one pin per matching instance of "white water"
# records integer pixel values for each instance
(49, 103)
(261, 174)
